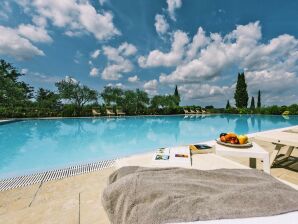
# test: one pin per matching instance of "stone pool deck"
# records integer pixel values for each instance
(77, 199)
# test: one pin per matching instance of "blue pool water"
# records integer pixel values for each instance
(37, 145)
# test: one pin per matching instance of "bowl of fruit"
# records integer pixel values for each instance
(233, 140)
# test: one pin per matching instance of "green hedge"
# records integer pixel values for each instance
(270, 110)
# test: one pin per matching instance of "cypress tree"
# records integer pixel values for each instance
(228, 106)
(259, 100)
(241, 95)
(252, 103)
(177, 96)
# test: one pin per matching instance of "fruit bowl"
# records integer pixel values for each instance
(246, 145)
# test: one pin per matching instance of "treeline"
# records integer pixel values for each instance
(18, 99)
(242, 99)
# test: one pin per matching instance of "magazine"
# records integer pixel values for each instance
(174, 156)
(162, 154)
(162, 157)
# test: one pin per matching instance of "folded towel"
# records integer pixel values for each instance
(165, 195)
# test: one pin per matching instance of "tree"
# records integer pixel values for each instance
(241, 95)
(259, 100)
(76, 93)
(209, 107)
(142, 101)
(177, 96)
(129, 102)
(252, 103)
(12, 91)
(228, 106)
(112, 95)
(47, 99)
(157, 102)
(162, 102)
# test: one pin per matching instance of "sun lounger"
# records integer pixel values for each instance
(120, 112)
(110, 113)
(186, 111)
(192, 111)
(280, 139)
(95, 113)
(175, 195)
(214, 162)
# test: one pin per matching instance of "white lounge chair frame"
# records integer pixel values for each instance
(95, 112)
(110, 113)
(186, 111)
(192, 111)
(280, 139)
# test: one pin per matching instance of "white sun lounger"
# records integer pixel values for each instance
(212, 161)
(280, 139)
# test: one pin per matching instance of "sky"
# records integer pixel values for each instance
(198, 45)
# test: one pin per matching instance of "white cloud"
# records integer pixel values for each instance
(118, 63)
(151, 87)
(70, 79)
(133, 79)
(112, 54)
(199, 91)
(77, 17)
(271, 67)
(198, 42)
(24, 70)
(34, 33)
(11, 43)
(269, 81)
(39, 79)
(39, 21)
(127, 49)
(161, 24)
(218, 54)
(114, 71)
(95, 54)
(172, 6)
(157, 58)
(119, 85)
(94, 72)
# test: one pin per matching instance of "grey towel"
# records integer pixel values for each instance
(162, 195)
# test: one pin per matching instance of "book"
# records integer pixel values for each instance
(162, 154)
(181, 155)
(173, 156)
(200, 149)
(162, 157)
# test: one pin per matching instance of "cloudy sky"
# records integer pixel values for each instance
(199, 45)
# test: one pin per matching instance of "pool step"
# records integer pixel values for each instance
(22, 181)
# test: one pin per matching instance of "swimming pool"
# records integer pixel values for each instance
(37, 145)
